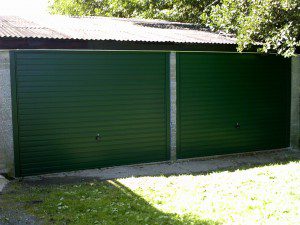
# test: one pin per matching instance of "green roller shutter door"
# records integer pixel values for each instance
(232, 103)
(65, 99)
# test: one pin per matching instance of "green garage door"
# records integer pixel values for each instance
(78, 110)
(232, 103)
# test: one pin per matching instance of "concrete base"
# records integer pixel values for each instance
(200, 165)
(3, 183)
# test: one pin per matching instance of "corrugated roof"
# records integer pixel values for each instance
(107, 28)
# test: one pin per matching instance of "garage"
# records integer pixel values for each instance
(229, 103)
(78, 110)
(89, 96)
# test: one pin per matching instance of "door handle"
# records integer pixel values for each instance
(98, 137)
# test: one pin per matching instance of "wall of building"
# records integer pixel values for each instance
(295, 103)
(6, 130)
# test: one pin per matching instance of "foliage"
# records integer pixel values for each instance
(173, 10)
(274, 23)
(259, 195)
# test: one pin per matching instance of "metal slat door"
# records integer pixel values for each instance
(230, 103)
(79, 110)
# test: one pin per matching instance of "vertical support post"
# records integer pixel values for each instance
(6, 125)
(295, 99)
(173, 105)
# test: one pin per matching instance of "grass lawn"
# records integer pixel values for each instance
(260, 195)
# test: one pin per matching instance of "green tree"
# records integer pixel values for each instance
(275, 24)
(173, 10)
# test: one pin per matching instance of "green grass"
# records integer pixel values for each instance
(261, 195)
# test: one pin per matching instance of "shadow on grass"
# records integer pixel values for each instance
(106, 202)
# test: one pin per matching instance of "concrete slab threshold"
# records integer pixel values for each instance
(192, 166)
(3, 182)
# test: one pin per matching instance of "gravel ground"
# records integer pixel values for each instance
(16, 217)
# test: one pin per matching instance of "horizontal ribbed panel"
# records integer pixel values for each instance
(217, 91)
(66, 98)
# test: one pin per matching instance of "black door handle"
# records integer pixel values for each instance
(98, 138)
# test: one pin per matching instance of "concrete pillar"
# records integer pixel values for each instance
(173, 104)
(295, 101)
(6, 127)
